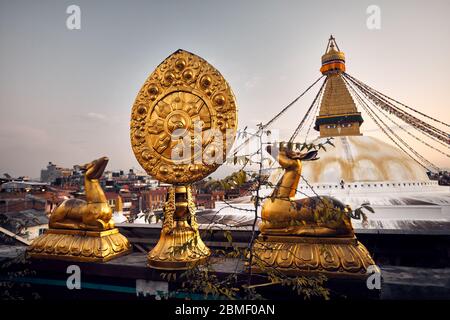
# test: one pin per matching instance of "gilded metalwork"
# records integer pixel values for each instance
(180, 245)
(338, 115)
(333, 61)
(183, 118)
(183, 123)
(80, 245)
(335, 257)
(312, 234)
(83, 230)
(93, 214)
(314, 216)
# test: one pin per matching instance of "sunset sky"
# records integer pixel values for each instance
(66, 95)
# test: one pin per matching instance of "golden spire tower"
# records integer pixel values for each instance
(119, 204)
(338, 115)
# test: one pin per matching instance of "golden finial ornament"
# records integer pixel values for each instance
(183, 123)
(333, 61)
(83, 230)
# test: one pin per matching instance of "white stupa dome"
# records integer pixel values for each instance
(362, 158)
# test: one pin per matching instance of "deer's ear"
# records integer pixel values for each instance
(309, 156)
(273, 151)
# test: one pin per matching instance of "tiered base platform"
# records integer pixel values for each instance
(80, 245)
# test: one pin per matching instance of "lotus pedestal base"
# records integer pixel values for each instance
(180, 249)
(80, 245)
(296, 255)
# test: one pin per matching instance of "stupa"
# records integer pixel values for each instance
(360, 168)
(365, 169)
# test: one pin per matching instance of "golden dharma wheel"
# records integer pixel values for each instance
(183, 120)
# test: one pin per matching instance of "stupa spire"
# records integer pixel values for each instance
(338, 115)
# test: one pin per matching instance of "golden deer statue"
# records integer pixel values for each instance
(313, 235)
(83, 230)
(93, 214)
(282, 214)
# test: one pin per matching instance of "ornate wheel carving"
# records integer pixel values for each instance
(184, 120)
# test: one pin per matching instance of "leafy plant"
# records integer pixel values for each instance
(202, 278)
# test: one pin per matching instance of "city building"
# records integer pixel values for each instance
(153, 199)
(53, 172)
(28, 224)
(23, 186)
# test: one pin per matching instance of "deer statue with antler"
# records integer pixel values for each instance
(282, 214)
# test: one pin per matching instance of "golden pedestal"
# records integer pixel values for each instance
(179, 246)
(80, 245)
(293, 255)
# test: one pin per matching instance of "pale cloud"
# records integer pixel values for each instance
(96, 116)
(252, 82)
(11, 134)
